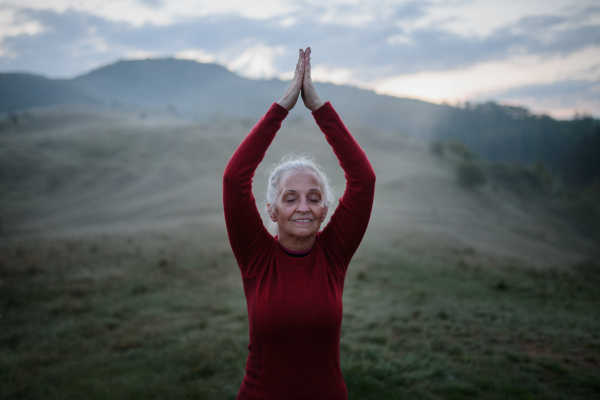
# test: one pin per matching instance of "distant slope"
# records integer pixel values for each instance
(208, 89)
(497, 133)
(80, 174)
(22, 91)
(192, 88)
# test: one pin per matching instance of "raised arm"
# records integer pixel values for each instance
(247, 234)
(347, 226)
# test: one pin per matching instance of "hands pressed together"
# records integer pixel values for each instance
(301, 84)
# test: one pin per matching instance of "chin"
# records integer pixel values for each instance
(304, 231)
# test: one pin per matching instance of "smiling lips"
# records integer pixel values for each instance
(302, 221)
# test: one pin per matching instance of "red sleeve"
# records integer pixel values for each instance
(248, 236)
(347, 226)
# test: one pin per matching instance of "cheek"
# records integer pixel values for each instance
(319, 212)
(286, 211)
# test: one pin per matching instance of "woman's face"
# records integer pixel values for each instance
(300, 207)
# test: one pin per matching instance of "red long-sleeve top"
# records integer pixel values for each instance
(295, 303)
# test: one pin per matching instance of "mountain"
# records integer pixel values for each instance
(495, 132)
(207, 89)
(20, 91)
(191, 87)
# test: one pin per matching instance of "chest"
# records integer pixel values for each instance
(299, 296)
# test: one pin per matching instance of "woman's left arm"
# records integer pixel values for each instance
(347, 226)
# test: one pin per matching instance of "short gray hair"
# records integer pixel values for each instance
(294, 162)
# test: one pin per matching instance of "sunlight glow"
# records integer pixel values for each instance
(256, 62)
(196, 55)
(489, 78)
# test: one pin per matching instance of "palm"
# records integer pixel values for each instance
(311, 99)
(290, 97)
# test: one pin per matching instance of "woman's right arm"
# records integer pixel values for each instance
(247, 234)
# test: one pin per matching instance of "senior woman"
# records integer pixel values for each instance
(293, 281)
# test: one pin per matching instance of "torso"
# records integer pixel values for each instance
(295, 313)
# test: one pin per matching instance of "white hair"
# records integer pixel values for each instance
(288, 163)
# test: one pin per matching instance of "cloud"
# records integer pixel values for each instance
(12, 23)
(68, 43)
(480, 19)
(385, 44)
(372, 51)
(490, 78)
(256, 62)
(157, 12)
(196, 55)
(339, 76)
(142, 55)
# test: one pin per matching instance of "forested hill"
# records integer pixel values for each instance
(505, 133)
(189, 88)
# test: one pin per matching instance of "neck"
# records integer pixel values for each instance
(296, 243)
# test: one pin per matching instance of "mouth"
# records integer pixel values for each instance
(302, 221)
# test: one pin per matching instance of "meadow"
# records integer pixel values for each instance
(117, 280)
(155, 316)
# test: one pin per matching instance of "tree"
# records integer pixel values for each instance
(436, 147)
(470, 174)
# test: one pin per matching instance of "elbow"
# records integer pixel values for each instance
(370, 177)
(229, 180)
(229, 175)
(234, 179)
(226, 180)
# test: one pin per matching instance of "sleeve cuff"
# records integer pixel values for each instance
(279, 110)
(323, 111)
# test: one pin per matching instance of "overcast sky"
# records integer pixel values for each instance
(542, 54)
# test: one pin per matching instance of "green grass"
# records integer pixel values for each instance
(157, 316)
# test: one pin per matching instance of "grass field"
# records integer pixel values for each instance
(117, 280)
(155, 316)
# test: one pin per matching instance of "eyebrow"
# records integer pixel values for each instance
(295, 191)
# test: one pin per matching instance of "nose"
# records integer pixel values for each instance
(303, 206)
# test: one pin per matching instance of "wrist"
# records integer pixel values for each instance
(285, 104)
(316, 106)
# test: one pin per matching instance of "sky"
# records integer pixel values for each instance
(540, 54)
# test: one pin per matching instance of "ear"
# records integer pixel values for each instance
(272, 213)
(324, 214)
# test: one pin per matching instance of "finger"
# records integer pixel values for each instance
(298, 76)
(300, 55)
(300, 59)
(307, 52)
(300, 68)
(307, 76)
